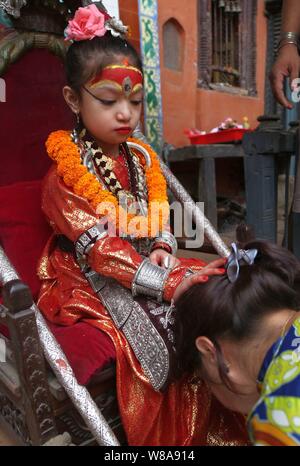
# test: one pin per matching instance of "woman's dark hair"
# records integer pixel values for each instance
(221, 309)
(87, 58)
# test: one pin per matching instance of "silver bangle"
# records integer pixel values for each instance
(289, 38)
(287, 42)
(149, 280)
(169, 239)
(87, 240)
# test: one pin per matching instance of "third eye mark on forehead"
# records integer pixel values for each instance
(112, 90)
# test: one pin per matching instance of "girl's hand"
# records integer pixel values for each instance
(163, 259)
(213, 268)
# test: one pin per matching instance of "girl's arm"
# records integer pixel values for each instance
(71, 215)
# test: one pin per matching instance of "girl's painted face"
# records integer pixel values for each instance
(111, 103)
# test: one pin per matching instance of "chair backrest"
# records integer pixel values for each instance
(33, 107)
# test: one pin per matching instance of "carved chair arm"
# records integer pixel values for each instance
(27, 355)
(28, 331)
(16, 295)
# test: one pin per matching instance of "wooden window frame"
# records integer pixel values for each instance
(247, 57)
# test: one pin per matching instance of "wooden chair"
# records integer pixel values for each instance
(33, 404)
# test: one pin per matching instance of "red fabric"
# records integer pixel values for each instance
(23, 229)
(23, 233)
(121, 172)
(34, 107)
(4, 330)
(87, 348)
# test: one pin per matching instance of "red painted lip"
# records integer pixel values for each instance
(124, 130)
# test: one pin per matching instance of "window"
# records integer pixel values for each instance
(227, 45)
(173, 45)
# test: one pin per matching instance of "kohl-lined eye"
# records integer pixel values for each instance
(106, 102)
(136, 102)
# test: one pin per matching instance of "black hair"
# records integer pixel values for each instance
(87, 58)
(221, 309)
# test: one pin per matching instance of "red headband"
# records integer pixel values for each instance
(128, 78)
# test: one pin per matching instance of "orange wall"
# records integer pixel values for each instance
(185, 105)
(129, 15)
(179, 89)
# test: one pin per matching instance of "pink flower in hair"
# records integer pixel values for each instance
(87, 23)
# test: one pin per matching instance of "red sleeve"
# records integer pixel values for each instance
(71, 215)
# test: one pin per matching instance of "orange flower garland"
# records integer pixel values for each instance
(76, 176)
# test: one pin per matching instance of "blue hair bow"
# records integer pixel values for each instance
(236, 257)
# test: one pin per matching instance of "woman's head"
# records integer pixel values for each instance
(222, 325)
(104, 81)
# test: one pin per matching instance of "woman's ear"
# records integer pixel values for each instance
(207, 350)
(72, 99)
(209, 361)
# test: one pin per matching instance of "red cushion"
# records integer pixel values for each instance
(34, 107)
(23, 234)
(87, 348)
(23, 229)
(4, 330)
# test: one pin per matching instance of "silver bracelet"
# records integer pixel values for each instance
(287, 42)
(149, 280)
(169, 239)
(87, 240)
(289, 38)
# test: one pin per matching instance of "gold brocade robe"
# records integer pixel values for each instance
(186, 413)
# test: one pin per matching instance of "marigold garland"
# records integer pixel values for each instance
(66, 154)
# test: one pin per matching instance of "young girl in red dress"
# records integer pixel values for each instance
(111, 260)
